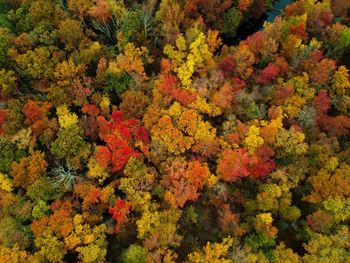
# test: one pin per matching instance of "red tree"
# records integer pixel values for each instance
(268, 74)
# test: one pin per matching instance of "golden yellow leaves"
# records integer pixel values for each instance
(132, 61)
(65, 118)
(253, 139)
(215, 253)
(179, 128)
(170, 136)
(190, 56)
(341, 81)
(5, 183)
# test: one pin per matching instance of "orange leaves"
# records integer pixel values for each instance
(103, 156)
(169, 87)
(101, 12)
(234, 164)
(29, 169)
(244, 60)
(184, 180)
(299, 30)
(321, 72)
(224, 96)
(94, 200)
(336, 126)
(238, 163)
(132, 61)
(60, 222)
(243, 5)
(197, 173)
(171, 137)
(36, 113)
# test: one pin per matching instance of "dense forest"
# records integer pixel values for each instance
(174, 131)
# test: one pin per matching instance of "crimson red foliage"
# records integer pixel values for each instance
(170, 88)
(261, 163)
(226, 66)
(119, 212)
(3, 118)
(337, 125)
(321, 103)
(268, 74)
(255, 42)
(118, 134)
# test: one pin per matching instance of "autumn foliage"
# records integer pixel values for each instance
(174, 131)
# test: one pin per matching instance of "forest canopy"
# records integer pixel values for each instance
(157, 131)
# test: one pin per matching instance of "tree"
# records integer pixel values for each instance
(268, 74)
(243, 59)
(290, 143)
(324, 185)
(198, 55)
(133, 104)
(9, 153)
(332, 247)
(252, 140)
(170, 18)
(8, 82)
(117, 133)
(119, 212)
(137, 182)
(101, 12)
(37, 63)
(132, 61)
(116, 153)
(89, 242)
(5, 40)
(70, 143)
(322, 71)
(233, 164)
(169, 87)
(14, 254)
(216, 252)
(231, 20)
(227, 65)
(340, 81)
(134, 253)
(29, 169)
(36, 113)
(184, 180)
(71, 33)
(50, 248)
(173, 140)
(283, 254)
(129, 28)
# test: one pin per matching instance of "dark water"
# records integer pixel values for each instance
(251, 26)
(278, 7)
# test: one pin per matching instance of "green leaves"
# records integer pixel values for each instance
(231, 20)
(117, 83)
